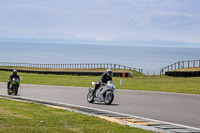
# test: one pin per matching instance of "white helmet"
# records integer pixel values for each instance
(109, 72)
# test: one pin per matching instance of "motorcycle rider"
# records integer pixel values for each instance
(104, 79)
(13, 75)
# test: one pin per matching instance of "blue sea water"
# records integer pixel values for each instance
(143, 57)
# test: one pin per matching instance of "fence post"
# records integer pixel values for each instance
(161, 71)
(175, 66)
(199, 63)
(178, 65)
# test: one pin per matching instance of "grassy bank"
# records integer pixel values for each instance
(135, 73)
(149, 83)
(189, 69)
(18, 117)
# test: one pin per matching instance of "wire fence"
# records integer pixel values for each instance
(151, 71)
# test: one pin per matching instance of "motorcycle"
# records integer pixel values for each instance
(13, 88)
(103, 94)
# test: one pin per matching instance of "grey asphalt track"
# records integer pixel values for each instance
(177, 108)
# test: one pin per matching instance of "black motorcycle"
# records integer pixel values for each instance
(13, 88)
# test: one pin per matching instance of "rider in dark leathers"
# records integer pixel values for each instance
(13, 75)
(104, 79)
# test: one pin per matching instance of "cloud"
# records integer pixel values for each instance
(162, 18)
(105, 18)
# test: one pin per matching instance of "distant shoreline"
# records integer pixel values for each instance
(167, 44)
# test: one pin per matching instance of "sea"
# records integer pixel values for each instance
(149, 58)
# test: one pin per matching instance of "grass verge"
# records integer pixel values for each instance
(17, 117)
(148, 83)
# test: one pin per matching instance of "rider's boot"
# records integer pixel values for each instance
(94, 91)
(8, 85)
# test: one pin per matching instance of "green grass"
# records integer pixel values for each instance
(21, 117)
(149, 83)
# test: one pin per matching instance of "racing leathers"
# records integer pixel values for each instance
(10, 79)
(104, 79)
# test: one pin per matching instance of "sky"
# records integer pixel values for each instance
(173, 20)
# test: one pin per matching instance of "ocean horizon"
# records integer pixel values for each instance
(141, 57)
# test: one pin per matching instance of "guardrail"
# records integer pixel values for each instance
(180, 64)
(70, 66)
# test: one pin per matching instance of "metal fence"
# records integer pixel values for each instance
(180, 64)
(151, 71)
(70, 66)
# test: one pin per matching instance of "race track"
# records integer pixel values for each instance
(177, 108)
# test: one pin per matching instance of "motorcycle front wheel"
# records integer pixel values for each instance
(90, 97)
(109, 98)
(15, 90)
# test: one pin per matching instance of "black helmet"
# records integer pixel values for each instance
(15, 72)
(109, 72)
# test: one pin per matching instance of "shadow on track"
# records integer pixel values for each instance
(106, 105)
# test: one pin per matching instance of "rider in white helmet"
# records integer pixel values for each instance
(104, 79)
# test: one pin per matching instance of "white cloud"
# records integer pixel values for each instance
(160, 17)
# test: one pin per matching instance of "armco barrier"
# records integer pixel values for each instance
(115, 74)
(183, 73)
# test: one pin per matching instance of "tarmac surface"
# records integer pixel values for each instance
(176, 108)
